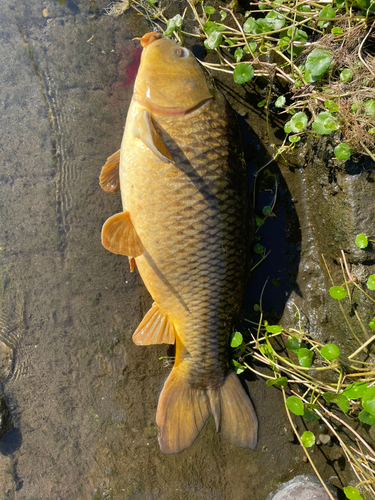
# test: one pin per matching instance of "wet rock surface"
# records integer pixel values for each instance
(307, 487)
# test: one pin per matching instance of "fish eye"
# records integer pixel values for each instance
(182, 52)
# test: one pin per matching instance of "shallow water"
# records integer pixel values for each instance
(82, 396)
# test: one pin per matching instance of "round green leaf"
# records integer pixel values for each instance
(209, 27)
(338, 292)
(293, 343)
(330, 352)
(331, 106)
(243, 72)
(259, 221)
(209, 10)
(310, 415)
(266, 210)
(238, 54)
(317, 63)
(342, 151)
(295, 405)
(326, 12)
(325, 123)
(305, 357)
(366, 418)
(275, 20)
(238, 368)
(346, 75)
(283, 381)
(341, 400)
(251, 26)
(355, 390)
(280, 102)
(173, 24)
(274, 329)
(371, 282)
(352, 493)
(297, 123)
(354, 107)
(294, 138)
(236, 339)
(368, 400)
(337, 31)
(372, 324)
(258, 248)
(214, 40)
(370, 107)
(308, 439)
(361, 240)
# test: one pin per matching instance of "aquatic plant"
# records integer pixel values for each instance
(318, 59)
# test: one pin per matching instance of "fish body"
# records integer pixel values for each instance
(184, 193)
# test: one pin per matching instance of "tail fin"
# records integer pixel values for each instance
(182, 412)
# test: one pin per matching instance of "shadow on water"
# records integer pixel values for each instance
(11, 442)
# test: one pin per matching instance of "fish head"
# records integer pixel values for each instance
(169, 79)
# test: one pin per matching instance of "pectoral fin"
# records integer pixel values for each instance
(155, 328)
(120, 237)
(109, 177)
(152, 139)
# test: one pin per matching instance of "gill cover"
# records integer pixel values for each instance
(169, 79)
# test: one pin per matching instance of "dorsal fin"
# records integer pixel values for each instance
(120, 237)
(109, 177)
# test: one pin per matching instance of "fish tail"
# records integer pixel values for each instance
(183, 410)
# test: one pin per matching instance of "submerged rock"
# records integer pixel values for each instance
(6, 423)
(306, 487)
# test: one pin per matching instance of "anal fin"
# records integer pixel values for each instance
(120, 237)
(109, 177)
(155, 328)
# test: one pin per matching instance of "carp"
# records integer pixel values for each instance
(186, 227)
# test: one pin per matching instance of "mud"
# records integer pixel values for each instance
(81, 395)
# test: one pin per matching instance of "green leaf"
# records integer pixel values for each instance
(355, 390)
(275, 20)
(267, 351)
(258, 248)
(308, 439)
(325, 123)
(371, 282)
(368, 400)
(330, 352)
(372, 324)
(283, 381)
(317, 63)
(253, 47)
(214, 40)
(238, 368)
(238, 54)
(361, 240)
(209, 10)
(310, 415)
(294, 138)
(371, 131)
(236, 339)
(337, 31)
(370, 107)
(266, 210)
(342, 151)
(341, 400)
(293, 344)
(173, 24)
(209, 27)
(366, 418)
(305, 357)
(262, 103)
(338, 292)
(326, 12)
(346, 75)
(223, 15)
(274, 329)
(251, 26)
(259, 221)
(295, 405)
(331, 106)
(280, 102)
(243, 72)
(354, 107)
(297, 123)
(298, 36)
(352, 493)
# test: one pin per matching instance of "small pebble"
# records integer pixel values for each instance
(324, 438)
(45, 12)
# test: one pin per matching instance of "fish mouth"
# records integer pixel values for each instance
(148, 38)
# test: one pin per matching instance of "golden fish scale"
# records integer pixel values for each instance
(192, 218)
